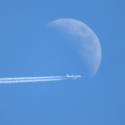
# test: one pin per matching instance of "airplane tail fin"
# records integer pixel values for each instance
(67, 75)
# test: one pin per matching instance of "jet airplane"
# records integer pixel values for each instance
(73, 76)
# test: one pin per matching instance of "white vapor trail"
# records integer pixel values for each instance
(31, 79)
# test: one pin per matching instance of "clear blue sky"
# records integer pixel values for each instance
(28, 48)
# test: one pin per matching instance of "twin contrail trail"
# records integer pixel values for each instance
(36, 79)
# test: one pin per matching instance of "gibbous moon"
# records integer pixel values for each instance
(86, 41)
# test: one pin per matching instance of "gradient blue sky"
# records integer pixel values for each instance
(28, 48)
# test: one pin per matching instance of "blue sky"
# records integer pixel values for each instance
(29, 48)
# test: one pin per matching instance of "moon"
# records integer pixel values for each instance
(84, 39)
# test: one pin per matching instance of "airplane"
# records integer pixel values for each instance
(73, 76)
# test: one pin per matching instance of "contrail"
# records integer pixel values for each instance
(36, 79)
(31, 79)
